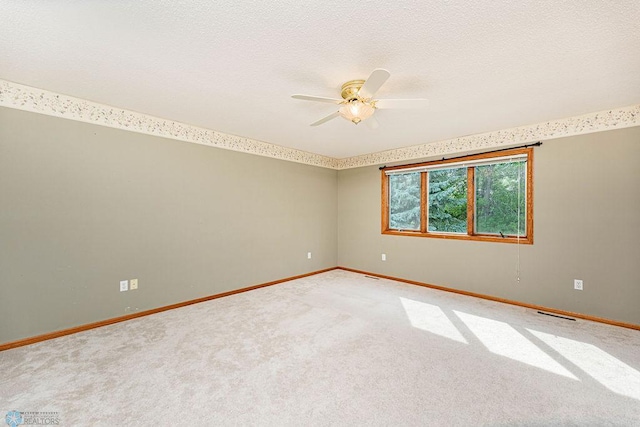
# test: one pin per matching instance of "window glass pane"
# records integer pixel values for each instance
(501, 198)
(448, 200)
(404, 201)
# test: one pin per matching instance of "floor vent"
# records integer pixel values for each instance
(371, 277)
(555, 315)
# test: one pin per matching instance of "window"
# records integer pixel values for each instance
(404, 201)
(481, 197)
(448, 201)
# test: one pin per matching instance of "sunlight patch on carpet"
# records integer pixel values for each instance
(612, 373)
(502, 339)
(431, 318)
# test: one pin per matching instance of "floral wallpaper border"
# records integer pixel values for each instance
(27, 98)
(617, 118)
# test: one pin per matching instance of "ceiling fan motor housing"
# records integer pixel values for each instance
(350, 89)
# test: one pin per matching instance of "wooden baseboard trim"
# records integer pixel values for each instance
(502, 300)
(86, 327)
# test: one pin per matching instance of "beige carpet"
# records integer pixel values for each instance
(337, 348)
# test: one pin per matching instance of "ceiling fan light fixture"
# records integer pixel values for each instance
(356, 110)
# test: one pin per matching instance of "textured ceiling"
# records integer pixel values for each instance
(231, 66)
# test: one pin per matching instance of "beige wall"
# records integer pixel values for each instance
(85, 206)
(587, 226)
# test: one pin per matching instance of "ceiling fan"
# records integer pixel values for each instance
(357, 103)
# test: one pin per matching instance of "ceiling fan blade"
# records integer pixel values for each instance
(402, 103)
(373, 83)
(372, 123)
(326, 119)
(317, 98)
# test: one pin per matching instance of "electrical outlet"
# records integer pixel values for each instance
(577, 284)
(124, 285)
(308, 255)
(384, 257)
(133, 284)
